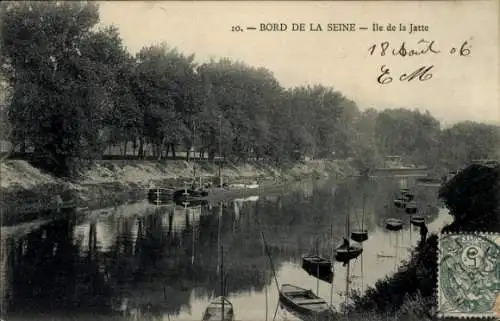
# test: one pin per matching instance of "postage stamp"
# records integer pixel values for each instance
(469, 275)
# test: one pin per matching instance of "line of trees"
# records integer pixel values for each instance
(75, 90)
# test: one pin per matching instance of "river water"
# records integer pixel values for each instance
(161, 263)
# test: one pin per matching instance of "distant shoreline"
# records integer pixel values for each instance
(26, 190)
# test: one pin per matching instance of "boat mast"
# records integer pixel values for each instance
(347, 286)
(347, 219)
(221, 262)
(332, 258)
(363, 217)
(270, 261)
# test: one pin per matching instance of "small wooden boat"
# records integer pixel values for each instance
(417, 220)
(219, 309)
(394, 224)
(406, 195)
(346, 252)
(399, 203)
(318, 267)
(305, 303)
(411, 208)
(159, 195)
(360, 235)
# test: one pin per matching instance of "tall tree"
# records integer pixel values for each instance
(59, 95)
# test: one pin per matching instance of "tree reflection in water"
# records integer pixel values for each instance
(147, 261)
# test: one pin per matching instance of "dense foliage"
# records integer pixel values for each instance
(75, 92)
(472, 197)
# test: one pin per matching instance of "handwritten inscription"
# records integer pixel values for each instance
(403, 50)
(421, 74)
(424, 47)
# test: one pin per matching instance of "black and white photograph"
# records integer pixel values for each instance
(249, 160)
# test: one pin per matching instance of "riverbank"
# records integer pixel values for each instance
(410, 294)
(24, 188)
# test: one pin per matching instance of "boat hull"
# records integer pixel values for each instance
(160, 195)
(318, 267)
(394, 224)
(411, 210)
(304, 303)
(399, 203)
(216, 311)
(359, 236)
(189, 194)
(345, 255)
(417, 221)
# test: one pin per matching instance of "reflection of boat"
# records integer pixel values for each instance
(394, 224)
(305, 302)
(219, 309)
(417, 220)
(318, 267)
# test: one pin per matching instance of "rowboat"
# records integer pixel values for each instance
(347, 252)
(318, 267)
(411, 208)
(185, 194)
(417, 220)
(160, 195)
(360, 235)
(393, 224)
(399, 203)
(305, 303)
(220, 309)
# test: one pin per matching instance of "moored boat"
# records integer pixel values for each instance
(318, 267)
(305, 303)
(220, 309)
(360, 235)
(411, 208)
(399, 203)
(184, 194)
(346, 252)
(417, 220)
(160, 195)
(394, 224)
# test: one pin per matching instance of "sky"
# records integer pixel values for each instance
(461, 87)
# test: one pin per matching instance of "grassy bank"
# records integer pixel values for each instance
(24, 188)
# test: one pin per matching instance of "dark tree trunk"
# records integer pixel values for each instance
(125, 145)
(167, 149)
(141, 148)
(173, 150)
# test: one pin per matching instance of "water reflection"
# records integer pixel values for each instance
(160, 262)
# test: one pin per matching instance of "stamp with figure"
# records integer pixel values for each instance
(469, 275)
